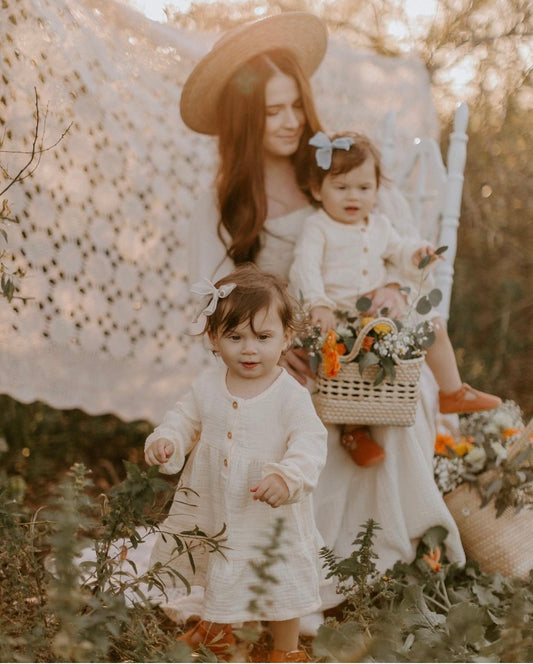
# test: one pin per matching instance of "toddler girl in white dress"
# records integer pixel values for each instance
(346, 250)
(255, 443)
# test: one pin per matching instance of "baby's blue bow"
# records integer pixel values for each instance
(210, 291)
(325, 147)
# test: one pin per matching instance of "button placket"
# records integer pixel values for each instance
(232, 421)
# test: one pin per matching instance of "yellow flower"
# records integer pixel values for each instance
(367, 319)
(463, 446)
(433, 559)
(382, 328)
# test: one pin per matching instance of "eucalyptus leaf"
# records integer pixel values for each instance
(363, 304)
(441, 250)
(425, 261)
(423, 306)
(435, 297)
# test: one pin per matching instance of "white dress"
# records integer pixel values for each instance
(400, 494)
(335, 263)
(233, 444)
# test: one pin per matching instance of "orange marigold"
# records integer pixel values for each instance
(368, 341)
(443, 444)
(330, 355)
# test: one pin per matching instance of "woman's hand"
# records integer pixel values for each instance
(272, 490)
(387, 297)
(323, 317)
(296, 362)
(158, 452)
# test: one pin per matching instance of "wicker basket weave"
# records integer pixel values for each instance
(499, 544)
(350, 398)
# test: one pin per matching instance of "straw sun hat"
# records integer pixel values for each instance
(301, 33)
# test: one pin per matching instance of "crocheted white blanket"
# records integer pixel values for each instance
(103, 217)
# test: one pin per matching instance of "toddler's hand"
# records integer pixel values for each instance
(272, 490)
(158, 452)
(323, 317)
(421, 253)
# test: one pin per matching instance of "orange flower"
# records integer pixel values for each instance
(509, 433)
(341, 349)
(443, 444)
(433, 559)
(446, 446)
(367, 342)
(330, 355)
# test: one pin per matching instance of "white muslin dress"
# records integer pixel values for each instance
(400, 494)
(233, 444)
(335, 263)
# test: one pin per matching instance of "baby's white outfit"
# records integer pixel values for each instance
(335, 263)
(239, 442)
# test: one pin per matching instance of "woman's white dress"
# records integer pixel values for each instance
(400, 494)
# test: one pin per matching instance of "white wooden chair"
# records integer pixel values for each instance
(434, 191)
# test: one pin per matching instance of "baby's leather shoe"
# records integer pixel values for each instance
(219, 638)
(360, 446)
(467, 400)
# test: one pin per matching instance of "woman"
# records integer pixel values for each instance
(252, 91)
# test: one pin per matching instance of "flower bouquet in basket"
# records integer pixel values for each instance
(368, 368)
(484, 468)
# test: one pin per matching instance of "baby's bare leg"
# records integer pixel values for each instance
(441, 359)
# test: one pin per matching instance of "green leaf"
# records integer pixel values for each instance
(423, 306)
(367, 360)
(363, 304)
(435, 297)
(441, 250)
(347, 643)
(426, 260)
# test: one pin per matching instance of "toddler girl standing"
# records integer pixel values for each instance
(345, 251)
(255, 443)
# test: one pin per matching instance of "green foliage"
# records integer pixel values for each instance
(54, 608)
(426, 611)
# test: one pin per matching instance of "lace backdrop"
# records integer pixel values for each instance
(103, 218)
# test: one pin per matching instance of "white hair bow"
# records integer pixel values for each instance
(212, 293)
(325, 147)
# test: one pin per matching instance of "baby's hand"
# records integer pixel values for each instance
(272, 490)
(158, 452)
(323, 317)
(421, 253)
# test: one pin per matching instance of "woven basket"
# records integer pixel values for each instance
(350, 398)
(499, 544)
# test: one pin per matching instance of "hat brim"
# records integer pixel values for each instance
(302, 33)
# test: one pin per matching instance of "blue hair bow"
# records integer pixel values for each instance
(325, 147)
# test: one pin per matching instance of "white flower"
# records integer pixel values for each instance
(476, 459)
(499, 450)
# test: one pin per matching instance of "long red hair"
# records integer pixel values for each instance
(241, 179)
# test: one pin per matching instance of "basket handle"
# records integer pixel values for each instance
(362, 334)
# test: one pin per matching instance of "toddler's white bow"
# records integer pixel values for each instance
(209, 290)
(325, 148)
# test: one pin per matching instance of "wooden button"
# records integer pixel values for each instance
(365, 272)
(235, 404)
(229, 435)
(226, 462)
(365, 249)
